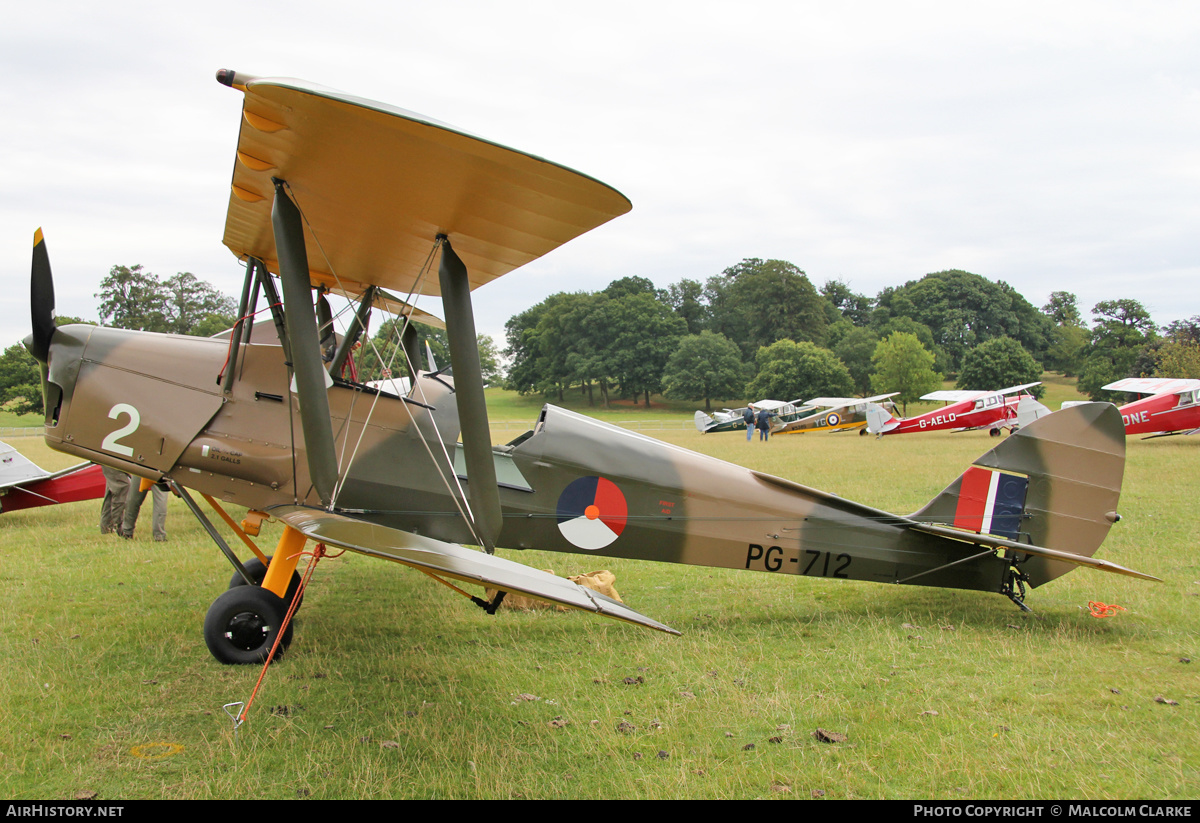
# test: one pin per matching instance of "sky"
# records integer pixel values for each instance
(1054, 146)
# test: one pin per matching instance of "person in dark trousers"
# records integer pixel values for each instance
(133, 507)
(116, 490)
(764, 424)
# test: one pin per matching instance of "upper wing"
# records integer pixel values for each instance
(450, 560)
(376, 184)
(841, 402)
(1154, 385)
(956, 395)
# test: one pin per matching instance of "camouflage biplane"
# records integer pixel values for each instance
(334, 193)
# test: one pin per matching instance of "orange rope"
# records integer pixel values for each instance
(1099, 609)
(315, 556)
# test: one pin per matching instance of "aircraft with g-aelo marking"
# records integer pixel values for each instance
(1008, 408)
(332, 193)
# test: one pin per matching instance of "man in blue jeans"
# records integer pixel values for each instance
(764, 424)
(748, 416)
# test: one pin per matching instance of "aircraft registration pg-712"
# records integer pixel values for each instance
(333, 193)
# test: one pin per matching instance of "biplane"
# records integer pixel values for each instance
(25, 485)
(336, 194)
(1008, 408)
(834, 414)
(1171, 407)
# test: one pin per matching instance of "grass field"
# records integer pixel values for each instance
(395, 687)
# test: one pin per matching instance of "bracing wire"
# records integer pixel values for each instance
(452, 484)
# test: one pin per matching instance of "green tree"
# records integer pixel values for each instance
(941, 359)
(21, 376)
(964, 310)
(686, 298)
(788, 370)
(1183, 331)
(192, 306)
(855, 350)
(997, 364)
(704, 366)
(903, 365)
(848, 304)
(1121, 332)
(20, 381)
(758, 302)
(131, 298)
(1068, 335)
(1179, 359)
(1063, 309)
(641, 333)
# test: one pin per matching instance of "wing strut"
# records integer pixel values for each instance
(468, 394)
(245, 321)
(307, 366)
(357, 326)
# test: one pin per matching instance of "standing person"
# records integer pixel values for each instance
(748, 416)
(133, 507)
(116, 491)
(764, 424)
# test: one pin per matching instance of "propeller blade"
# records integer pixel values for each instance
(41, 300)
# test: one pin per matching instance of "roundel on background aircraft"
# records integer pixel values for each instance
(591, 512)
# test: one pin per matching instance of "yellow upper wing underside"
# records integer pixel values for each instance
(376, 184)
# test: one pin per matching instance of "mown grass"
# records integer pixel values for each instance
(395, 687)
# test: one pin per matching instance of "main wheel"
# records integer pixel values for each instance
(994, 432)
(241, 625)
(255, 568)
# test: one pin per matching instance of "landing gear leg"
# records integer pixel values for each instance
(1014, 588)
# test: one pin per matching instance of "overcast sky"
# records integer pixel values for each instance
(1052, 145)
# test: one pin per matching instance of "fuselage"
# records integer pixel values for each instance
(1162, 413)
(152, 405)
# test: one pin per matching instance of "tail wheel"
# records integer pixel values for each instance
(242, 624)
(258, 572)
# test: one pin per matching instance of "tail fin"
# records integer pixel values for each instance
(879, 420)
(1029, 410)
(1056, 484)
(703, 421)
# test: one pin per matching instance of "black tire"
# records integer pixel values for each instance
(862, 432)
(994, 432)
(255, 568)
(241, 625)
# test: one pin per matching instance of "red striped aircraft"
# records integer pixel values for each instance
(1171, 407)
(1008, 408)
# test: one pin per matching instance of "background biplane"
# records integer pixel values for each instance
(25, 485)
(333, 193)
(834, 414)
(728, 420)
(1008, 408)
(1171, 407)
